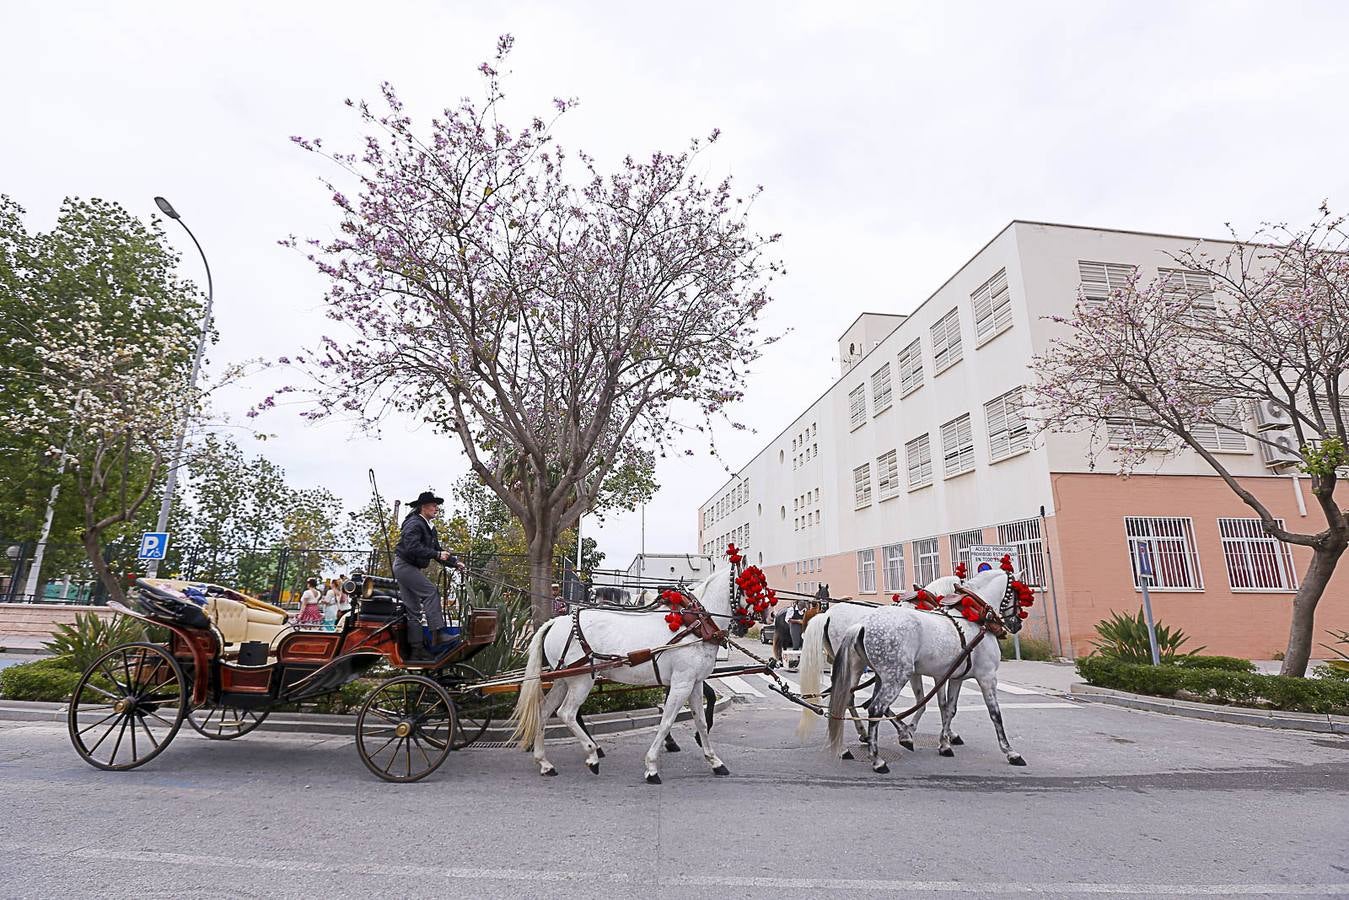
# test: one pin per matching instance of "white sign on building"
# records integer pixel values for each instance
(989, 556)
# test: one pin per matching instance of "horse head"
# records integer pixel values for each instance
(994, 601)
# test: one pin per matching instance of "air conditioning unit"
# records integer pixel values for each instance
(1282, 451)
(1270, 414)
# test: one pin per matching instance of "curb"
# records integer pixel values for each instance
(320, 723)
(1320, 723)
(27, 651)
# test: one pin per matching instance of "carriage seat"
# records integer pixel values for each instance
(238, 622)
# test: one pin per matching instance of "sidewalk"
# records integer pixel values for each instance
(22, 643)
(1057, 678)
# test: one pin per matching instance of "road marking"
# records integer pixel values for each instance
(740, 685)
(460, 873)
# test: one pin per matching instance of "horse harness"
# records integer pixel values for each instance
(698, 622)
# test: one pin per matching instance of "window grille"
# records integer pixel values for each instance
(992, 304)
(866, 571)
(1212, 436)
(1007, 432)
(918, 458)
(1025, 536)
(861, 486)
(961, 542)
(946, 341)
(1128, 432)
(1168, 545)
(1193, 290)
(926, 562)
(887, 475)
(880, 389)
(1256, 561)
(957, 441)
(1100, 278)
(910, 368)
(857, 406)
(893, 557)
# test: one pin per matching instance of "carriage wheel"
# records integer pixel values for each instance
(474, 709)
(127, 706)
(405, 728)
(223, 722)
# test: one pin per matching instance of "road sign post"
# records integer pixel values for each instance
(1144, 579)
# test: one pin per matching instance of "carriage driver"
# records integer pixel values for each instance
(417, 546)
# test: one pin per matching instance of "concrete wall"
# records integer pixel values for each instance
(39, 620)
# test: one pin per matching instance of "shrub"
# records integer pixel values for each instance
(48, 680)
(1335, 670)
(1126, 637)
(1230, 663)
(1033, 649)
(1225, 686)
(83, 642)
(616, 699)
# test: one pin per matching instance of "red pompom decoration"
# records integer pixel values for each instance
(1021, 613)
(1006, 562)
(970, 614)
(960, 570)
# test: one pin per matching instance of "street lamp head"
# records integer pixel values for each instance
(166, 207)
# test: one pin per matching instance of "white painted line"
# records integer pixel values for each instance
(1015, 689)
(460, 873)
(1048, 704)
(740, 685)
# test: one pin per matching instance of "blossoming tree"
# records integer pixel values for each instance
(560, 322)
(1188, 357)
(96, 370)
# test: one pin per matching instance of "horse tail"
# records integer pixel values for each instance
(809, 669)
(526, 713)
(844, 679)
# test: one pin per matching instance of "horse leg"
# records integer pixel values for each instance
(577, 692)
(704, 730)
(680, 689)
(906, 730)
(949, 694)
(988, 686)
(879, 706)
(672, 746)
(710, 708)
(551, 701)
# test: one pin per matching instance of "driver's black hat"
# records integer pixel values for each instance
(426, 497)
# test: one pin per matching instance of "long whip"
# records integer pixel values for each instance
(379, 517)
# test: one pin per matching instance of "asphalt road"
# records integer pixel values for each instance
(1113, 802)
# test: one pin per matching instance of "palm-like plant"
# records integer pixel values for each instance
(79, 644)
(1125, 638)
(1341, 637)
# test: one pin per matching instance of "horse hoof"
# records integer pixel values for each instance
(1016, 760)
(946, 751)
(599, 751)
(846, 754)
(594, 768)
(549, 772)
(721, 771)
(882, 769)
(907, 745)
(957, 740)
(652, 778)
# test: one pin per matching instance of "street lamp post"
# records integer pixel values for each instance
(161, 524)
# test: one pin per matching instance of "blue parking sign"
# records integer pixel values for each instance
(154, 544)
(1145, 560)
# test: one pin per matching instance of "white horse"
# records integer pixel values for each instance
(899, 641)
(824, 631)
(683, 668)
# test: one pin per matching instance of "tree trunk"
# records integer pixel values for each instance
(1300, 634)
(94, 550)
(541, 576)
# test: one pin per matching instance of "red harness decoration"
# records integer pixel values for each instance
(753, 595)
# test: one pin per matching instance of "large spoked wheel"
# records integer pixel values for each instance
(405, 728)
(225, 723)
(127, 707)
(475, 710)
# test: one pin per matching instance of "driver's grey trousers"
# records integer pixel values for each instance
(420, 597)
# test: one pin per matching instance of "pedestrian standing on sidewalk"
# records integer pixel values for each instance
(328, 605)
(310, 615)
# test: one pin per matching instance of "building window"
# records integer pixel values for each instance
(893, 557)
(918, 459)
(1007, 433)
(961, 542)
(887, 475)
(866, 571)
(946, 342)
(857, 406)
(926, 566)
(992, 305)
(1256, 561)
(861, 486)
(1025, 537)
(1221, 438)
(1100, 278)
(1167, 543)
(910, 368)
(1192, 291)
(957, 444)
(1125, 432)
(880, 390)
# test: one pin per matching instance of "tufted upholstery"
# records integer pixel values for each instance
(239, 622)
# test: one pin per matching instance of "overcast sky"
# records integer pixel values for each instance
(893, 140)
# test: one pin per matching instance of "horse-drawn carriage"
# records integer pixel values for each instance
(229, 659)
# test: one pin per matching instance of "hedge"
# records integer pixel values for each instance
(1032, 649)
(44, 679)
(1225, 686)
(1229, 663)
